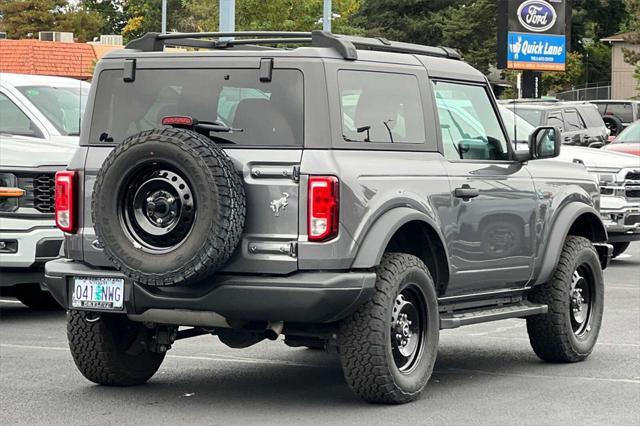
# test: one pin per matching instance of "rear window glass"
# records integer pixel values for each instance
(591, 116)
(623, 111)
(260, 113)
(380, 107)
(532, 116)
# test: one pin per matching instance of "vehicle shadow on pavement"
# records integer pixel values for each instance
(20, 312)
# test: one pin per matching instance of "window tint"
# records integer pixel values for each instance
(468, 123)
(623, 111)
(13, 121)
(269, 113)
(63, 106)
(572, 120)
(591, 116)
(380, 107)
(555, 119)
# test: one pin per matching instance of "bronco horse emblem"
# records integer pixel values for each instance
(279, 204)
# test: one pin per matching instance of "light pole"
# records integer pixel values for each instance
(164, 16)
(326, 16)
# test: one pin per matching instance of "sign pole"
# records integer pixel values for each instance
(326, 16)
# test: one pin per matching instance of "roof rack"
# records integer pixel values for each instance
(347, 46)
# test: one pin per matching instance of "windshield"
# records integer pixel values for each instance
(255, 112)
(517, 127)
(532, 116)
(63, 106)
(630, 134)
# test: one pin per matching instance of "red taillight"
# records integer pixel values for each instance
(177, 120)
(323, 210)
(65, 194)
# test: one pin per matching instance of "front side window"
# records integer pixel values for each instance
(63, 106)
(15, 122)
(572, 121)
(380, 107)
(257, 113)
(469, 126)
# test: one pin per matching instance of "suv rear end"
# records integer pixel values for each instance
(248, 92)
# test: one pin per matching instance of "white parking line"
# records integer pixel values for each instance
(229, 358)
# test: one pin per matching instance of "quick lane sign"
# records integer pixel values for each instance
(536, 52)
(532, 34)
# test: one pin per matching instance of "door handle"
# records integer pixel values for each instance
(466, 192)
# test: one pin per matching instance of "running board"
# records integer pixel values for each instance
(477, 316)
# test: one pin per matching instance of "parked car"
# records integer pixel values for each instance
(628, 141)
(39, 127)
(618, 175)
(618, 114)
(580, 121)
(319, 192)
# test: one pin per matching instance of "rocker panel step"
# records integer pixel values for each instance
(457, 319)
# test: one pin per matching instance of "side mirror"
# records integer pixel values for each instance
(544, 142)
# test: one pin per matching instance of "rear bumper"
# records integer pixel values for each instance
(312, 297)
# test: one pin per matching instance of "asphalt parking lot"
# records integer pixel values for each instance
(485, 374)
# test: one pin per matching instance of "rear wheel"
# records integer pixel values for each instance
(34, 297)
(619, 248)
(388, 346)
(111, 349)
(575, 296)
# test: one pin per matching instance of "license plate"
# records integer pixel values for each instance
(99, 293)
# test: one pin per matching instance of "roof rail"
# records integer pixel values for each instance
(347, 46)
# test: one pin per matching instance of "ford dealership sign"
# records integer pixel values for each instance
(538, 16)
(532, 34)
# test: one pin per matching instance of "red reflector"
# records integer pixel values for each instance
(177, 120)
(65, 195)
(323, 209)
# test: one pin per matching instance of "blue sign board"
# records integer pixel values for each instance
(534, 51)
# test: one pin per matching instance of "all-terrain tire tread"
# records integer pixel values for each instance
(548, 333)
(363, 343)
(223, 238)
(98, 358)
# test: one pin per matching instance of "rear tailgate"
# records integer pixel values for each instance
(271, 229)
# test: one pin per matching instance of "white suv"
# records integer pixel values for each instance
(39, 127)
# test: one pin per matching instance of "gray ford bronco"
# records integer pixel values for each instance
(321, 187)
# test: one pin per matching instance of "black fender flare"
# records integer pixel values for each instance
(558, 234)
(380, 233)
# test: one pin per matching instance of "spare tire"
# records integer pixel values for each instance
(168, 207)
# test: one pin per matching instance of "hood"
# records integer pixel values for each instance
(594, 158)
(627, 147)
(26, 152)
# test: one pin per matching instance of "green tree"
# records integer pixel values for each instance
(25, 18)
(112, 13)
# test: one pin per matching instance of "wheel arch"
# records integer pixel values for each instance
(577, 219)
(405, 230)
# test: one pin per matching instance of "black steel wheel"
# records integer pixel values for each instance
(388, 346)
(575, 297)
(168, 207)
(158, 207)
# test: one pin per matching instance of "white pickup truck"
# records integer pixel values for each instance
(39, 127)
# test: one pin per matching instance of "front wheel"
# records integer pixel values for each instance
(388, 346)
(575, 296)
(111, 350)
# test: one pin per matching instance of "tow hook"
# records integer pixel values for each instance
(92, 317)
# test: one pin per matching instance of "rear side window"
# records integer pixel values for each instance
(623, 111)
(555, 119)
(261, 113)
(572, 121)
(380, 107)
